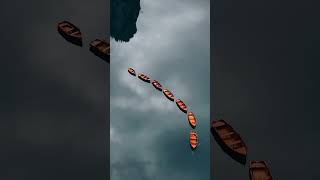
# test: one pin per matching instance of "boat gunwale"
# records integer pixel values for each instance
(99, 44)
(178, 101)
(75, 29)
(196, 120)
(194, 133)
(132, 71)
(165, 91)
(265, 168)
(238, 137)
(147, 79)
(74, 34)
(159, 87)
(235, 155)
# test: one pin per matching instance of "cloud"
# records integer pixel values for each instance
(171, 46)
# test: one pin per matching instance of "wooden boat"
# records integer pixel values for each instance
(144, 77)
(70, 32)
(182, 106)
(229, 140)
(157, 85)
(132, 71)
(259, 170)
(101, 48)
(192, 119)
(193, 139)
(168, 94)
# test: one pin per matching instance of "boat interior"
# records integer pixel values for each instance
(261, 174)
(259, 171)
(168, 94)
(231, 138)
(144, 77)
(104, 47)
(193, 136)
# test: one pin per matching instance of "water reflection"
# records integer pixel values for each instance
(124, 15)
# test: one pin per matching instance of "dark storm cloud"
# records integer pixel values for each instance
(264, 83)
(54, 95)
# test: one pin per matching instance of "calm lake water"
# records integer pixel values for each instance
(170, 42)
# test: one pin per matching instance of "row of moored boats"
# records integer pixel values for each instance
(193, 136)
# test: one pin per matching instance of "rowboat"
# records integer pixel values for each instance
(144, 77)
(229, 140)
(101, 48)
(182, 106)
(193, 139)
(168, 94)
(157, 85)
(132, 71)
(259, 170)
(192, 119)
(70, 32)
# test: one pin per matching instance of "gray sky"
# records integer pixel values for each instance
(53, 94)
(149, 134)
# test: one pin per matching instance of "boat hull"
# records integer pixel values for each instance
(144, 78)
(239, 157)
(259, 170)
(192, 120)
(157, 85)
(77, 40)
(167, 93)
(193, 140)
(96, 51)
(181, 105)
(132, 71)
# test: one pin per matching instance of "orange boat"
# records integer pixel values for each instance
(193, 139)
(182, 106)
(157, 85)
(259, 170)
(168, 94)
(70, 32)
(144, 78)
(101, 48)
(192, 119)
(229, 140)
(132, 71)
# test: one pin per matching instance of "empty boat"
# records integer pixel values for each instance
(168, 94)
(101, 48)
(192, 119)
(132, 71)
(182, 106)
(157, 85)
(70, 32)
(193, 139)
(229, 140)
(144, 77)
(259, 170)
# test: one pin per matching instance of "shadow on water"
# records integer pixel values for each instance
(71, 39)
(124, 15)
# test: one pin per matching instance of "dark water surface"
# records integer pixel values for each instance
(53, 100)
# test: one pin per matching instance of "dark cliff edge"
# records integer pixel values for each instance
(124, 15)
